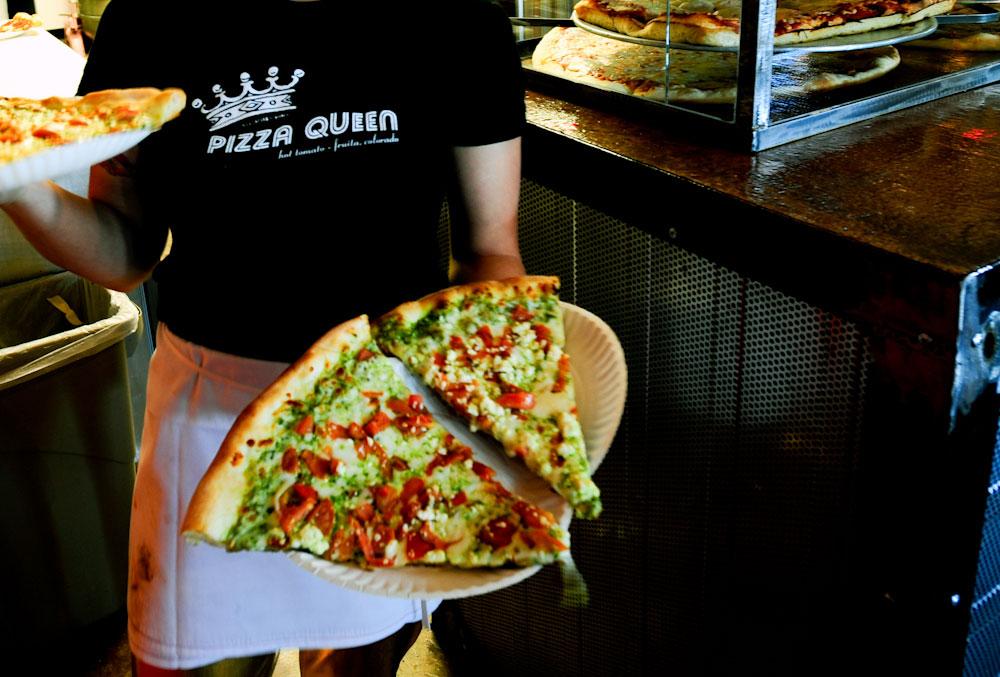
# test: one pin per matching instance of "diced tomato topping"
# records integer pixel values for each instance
(486, 334)
(377, 423)
(456, 343)
(428, 534)
(411, 488)
(342, 546)
(367, 548)
(459, 453)
(415, 402)
(364, 512)
(399, 406)
(386, 498)
(521, 400)
(532, 515)
(334, 431)
(46, 134)
(498, 533)
(459, 499)
(416, 546)
(485, 472)
(439, 358)
(305, 426)
(298, 501)
(372, 394)
(237, 457)
(540, 538)
(290, 460)
(77, 122)
(322, 516)
(355, 431)
(542, 333)
(320, 467)
(413, 497)
(521, 314)
(563, 376)
(397, 463)
(365, 354)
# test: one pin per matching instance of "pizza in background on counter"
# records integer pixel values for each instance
(30, 126)
(717, 22)
(339, 459)
(495, 353)
(696, 77)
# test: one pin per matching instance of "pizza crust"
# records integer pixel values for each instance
(161, 105)
(530, 285)
(214, 509)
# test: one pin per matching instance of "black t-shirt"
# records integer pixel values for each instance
(303, 182)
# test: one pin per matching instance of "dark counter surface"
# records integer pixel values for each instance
(922, 184)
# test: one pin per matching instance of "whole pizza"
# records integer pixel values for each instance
(695, 77)
(717, 22)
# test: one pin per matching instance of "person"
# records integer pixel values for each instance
(300, 187)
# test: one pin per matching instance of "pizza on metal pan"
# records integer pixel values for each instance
(717, 22)
(698, 77)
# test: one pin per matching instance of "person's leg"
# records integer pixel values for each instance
(250, 666)
(379, 659)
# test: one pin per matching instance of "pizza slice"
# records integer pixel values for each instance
(20, 23)
(494, 352)
(30, 126)
(338, 458)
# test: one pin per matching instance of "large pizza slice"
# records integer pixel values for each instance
(30, 126)
(495, 352)
(339, 459)
(717, 22)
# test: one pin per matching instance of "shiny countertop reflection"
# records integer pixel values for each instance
(922, 183)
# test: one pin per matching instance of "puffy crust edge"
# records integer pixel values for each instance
(161, 105)
(528, 285)
(214, 507)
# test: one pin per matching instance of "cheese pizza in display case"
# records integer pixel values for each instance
(761, 73)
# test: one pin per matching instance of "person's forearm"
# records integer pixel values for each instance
(489, 267)
(84, 236)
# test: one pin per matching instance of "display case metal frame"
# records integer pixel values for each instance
(753, 116)
(753, 125)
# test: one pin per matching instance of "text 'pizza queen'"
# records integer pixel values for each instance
(319, 127)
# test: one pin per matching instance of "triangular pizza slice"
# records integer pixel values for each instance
(339, 458)
(494, 352)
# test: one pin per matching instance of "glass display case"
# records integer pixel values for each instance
(759, 74)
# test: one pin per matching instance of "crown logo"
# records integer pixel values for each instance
(250, 102)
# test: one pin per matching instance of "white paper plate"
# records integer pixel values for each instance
(601, 381)
(6, 35)
(62, 160)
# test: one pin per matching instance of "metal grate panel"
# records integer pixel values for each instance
(728, 492)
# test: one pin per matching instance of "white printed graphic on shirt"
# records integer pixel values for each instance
(275, 98)
(334, 131)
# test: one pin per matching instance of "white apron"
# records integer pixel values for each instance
(194, 604)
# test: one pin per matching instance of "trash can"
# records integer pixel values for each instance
(66, 455)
